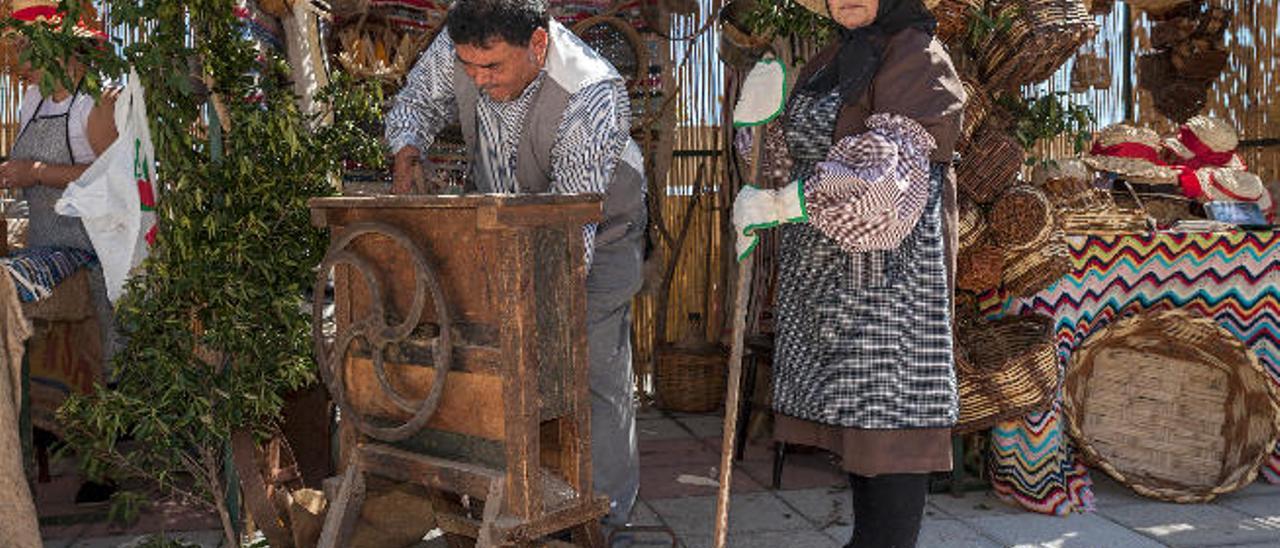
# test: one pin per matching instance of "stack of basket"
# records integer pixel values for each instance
(1006, 368)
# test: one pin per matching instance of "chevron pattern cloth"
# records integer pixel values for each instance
(1231, 277)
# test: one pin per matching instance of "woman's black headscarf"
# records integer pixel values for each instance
(862, 49)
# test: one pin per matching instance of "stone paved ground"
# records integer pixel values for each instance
(679, 455)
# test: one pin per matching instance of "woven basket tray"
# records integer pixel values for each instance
(1171, 405)
(1095, 212)
(1005, 369)
(690, 380)
(1021, 218)
(1044, 34)
(979, 268)
(990, 164)
(1029, 271)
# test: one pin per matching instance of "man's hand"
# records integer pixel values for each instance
(19, 173)
(407, 174)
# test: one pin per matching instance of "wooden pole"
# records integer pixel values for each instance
(735, 363)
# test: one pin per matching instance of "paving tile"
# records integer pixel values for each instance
(686, 450)
(693, 518)
(205, 539)
(771, 539)
(705, 427)
(642, 514)
(1194, 524)
(649, 413)
(1076, 530)
(973, 505)
(951, 533)
(825, 507)
(1258, 488)
(662, 481)
(934, 532)
(1260, 506)
(800, 471)
(1108, 493)
(761, 450)
(660, 429)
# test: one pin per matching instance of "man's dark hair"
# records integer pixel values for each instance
(476, 22)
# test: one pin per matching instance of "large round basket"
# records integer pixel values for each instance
(990, 163)
(979, 268)
(1021, 218)
(1005, 369)
(690, 380)
(1171, 405)
(1032, 270)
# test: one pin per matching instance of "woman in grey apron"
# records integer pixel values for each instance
(41, 163)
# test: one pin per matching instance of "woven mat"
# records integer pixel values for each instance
(1233, 278)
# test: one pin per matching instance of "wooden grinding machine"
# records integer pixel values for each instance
(457, 350)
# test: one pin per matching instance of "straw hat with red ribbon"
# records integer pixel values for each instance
(1205, 141)
(1224, 184)
(47, 12)
(1131, 152)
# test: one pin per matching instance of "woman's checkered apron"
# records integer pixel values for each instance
(864, 339)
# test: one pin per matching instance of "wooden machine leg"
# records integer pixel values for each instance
(492, 509)
(344, 511)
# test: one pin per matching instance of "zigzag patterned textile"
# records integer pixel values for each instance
(1233, 278)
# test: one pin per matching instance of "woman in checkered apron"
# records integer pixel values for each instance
(863, 360)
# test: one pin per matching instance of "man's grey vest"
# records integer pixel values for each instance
(571, 65)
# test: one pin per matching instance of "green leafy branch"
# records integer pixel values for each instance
(1047, 117)
(788, 19)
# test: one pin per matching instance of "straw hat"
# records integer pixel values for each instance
(1131, 152)
(1233, 185)
(46, 11)
(1209, 137)
(820, 6)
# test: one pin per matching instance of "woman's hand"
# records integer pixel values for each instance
(20, 173)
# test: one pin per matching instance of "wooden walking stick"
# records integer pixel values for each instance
(763, 93)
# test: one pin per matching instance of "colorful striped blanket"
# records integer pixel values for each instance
(1231, 277)
(36, 271)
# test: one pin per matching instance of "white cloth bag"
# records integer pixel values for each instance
(115, 197)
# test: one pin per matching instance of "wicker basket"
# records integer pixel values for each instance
(1021, 218)
(979, 268)
(966, 308)
(973, 226)
(690, 379)
(990, 164)
(1095, 212)
(1005, 369)
(1171, 405)
(1043, 35)
(1029, 271)
(953, 18)
(976, 108)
